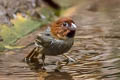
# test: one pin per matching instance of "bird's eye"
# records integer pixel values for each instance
(65, 24)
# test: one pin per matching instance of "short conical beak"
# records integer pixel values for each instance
(73, 26)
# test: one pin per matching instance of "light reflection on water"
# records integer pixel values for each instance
(96, 49)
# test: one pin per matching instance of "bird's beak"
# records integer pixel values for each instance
(73, 26)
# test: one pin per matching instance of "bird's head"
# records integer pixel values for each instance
(63, 28)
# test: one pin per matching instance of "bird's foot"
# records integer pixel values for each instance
(59, 66)
(69, 59)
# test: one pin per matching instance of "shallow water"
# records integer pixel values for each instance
(96, 51)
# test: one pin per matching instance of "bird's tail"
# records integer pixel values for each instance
(33, 54)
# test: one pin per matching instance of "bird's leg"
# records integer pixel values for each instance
(31, 56)
(59, 66)
(69, 59)
(43, 61)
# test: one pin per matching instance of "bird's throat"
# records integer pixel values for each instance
(71, 34)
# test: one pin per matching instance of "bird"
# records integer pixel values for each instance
(57, 39)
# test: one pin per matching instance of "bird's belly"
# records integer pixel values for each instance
(56, 50)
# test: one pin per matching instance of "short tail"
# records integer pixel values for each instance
(33, 54)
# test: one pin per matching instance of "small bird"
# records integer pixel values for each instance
(56, 40)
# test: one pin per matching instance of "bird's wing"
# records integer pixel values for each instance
(44, 39)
